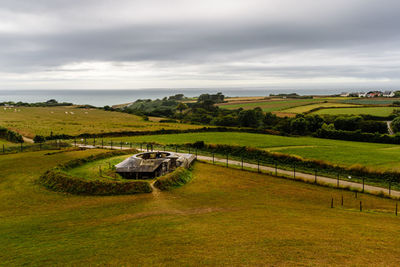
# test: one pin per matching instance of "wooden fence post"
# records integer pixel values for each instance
(363, 179)
(342, 200)
(276, 168)
(360, 206)
(331, 203)
(213, 158)
(294, 171)
(227, 155)
(315, 178)
(337, 184)
(242, 162)
(258, 165)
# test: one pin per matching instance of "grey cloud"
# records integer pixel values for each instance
(365, 30)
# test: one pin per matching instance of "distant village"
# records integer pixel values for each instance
(370, 94)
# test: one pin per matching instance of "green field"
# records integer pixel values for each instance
(371, 101)
(376, 111)
(91, 170)
(222, 217)
(376, 156)
(272, 105)
(307, 108)
(31, 121)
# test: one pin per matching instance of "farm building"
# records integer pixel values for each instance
(149, 165)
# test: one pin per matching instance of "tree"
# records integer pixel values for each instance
(181, 107)
(39, 139)
(396, 124)
(299, 125)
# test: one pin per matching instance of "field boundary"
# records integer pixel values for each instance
(57, 179)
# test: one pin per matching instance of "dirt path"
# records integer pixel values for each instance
(27, 140)
(390, 130)
(281, 172)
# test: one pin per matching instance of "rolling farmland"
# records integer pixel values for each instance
(291, 222)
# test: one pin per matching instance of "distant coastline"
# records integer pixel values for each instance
(113, 96)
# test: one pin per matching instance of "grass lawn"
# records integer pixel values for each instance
(91, 170)
(377, 111)
(272, 105)
(31, 121)
(222, 217)
(306, 108)
(376, 156)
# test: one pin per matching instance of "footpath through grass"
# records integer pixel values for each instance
(347, 153)
(221, 217)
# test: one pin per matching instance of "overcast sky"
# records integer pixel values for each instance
(46, 44)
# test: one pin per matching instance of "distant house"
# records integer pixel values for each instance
(362, 94)
(388, 94)
(374, 94)
(344, 94)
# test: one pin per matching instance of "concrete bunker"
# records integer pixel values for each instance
(149, 165)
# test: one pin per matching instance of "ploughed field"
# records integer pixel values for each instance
(222, 217)
(31, 121)
(347, 153)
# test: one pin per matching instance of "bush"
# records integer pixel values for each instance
(10, 135)
(176, 178)
(58, 180)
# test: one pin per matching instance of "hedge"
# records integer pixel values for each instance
(178, 177)
(162, 131)
(311, 165)
(10, 135)
(58, 180)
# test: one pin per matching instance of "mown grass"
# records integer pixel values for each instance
(31, 121)
(99, 169)
(222, 217)
(347, 153)
(307, 108)
(273, 105)
(376, 111)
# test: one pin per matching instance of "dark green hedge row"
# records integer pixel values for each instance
(10, 135)
(178, 177)
(58, 180)
(162, 131)
(358, 136)
(306, 164)
(62, 182)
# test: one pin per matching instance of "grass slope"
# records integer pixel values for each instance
(222, 217)
(376, 111)
(306, 108)
(377, 156)
(273, 105)
(31, 121)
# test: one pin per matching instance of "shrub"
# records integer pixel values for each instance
(58, 180)
(174, 179)
(10, 135)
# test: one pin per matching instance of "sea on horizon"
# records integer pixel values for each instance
(110, 97)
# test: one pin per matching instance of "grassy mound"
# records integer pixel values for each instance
(176, 178)
(58, 179)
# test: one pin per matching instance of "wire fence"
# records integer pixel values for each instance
(242, 162)
(24, 147)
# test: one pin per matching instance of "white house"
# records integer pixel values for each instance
(388, 94)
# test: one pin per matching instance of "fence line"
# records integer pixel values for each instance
(340, 177)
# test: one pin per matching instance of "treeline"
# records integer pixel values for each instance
(10, 135)
(49, 103)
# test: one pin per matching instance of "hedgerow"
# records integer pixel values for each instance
(178, 177)
(10, 135)
(58, 180)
